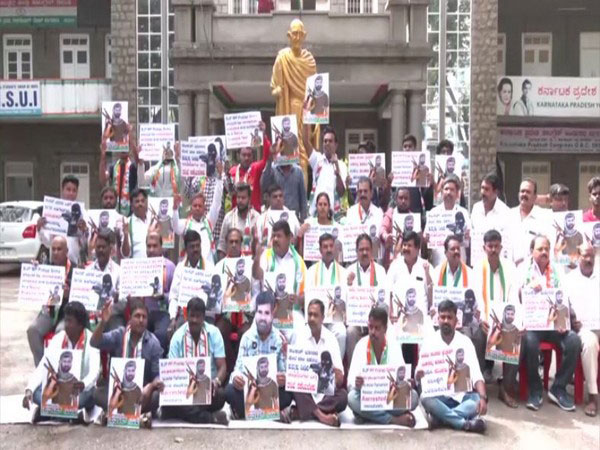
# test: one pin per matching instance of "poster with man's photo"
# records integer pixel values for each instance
(141, 277)
(468, 312)
(265, 225)
(115, 126)
(205, 284)
(592, 234)
(504, 336)
(311, 241)
(370, 165)
(286, 144)
(62, 383)
(210, 145)
(317, 99)
(545, 309)
(361, 299)
(261, 392)
(242, 129)
(161, 209)
(92, 288)
(442, 223)
(386, 387)
(156, 141)
(568, 236)
(237, 296)
(334, 299)
(103, 219)
(281, 284)
(125, 384)
(187, 381)
(409, 313)
(41, 285)
(411, 169)
(448, 165)
(309, 371)
(347, 237)
(63, 217)
(405, 222)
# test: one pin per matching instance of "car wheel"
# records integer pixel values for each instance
(43, 256)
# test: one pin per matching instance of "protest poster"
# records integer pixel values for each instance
(141, 277)
(385, 387)
(155, 140)
(433, 361)
(411, 169)
(41, 285)
(300, 373)
(61, 384)
(441, 223)
(317, 96)
(580, 296)
(465, 300)
(204, 284)
(264, 225)
(125, 385)
(261, 392)
(365, 165)
(592, 233)
(243, 130)
(311, 241)
(405, 222)
(568, 235)
(104, 219)
(360, 301)
(333, 298)
(546, 309)
(214, 147)
(409, 313)
(187, 381)
(92, 288)
(62, 216)
(286, 144)
(192, 164)
(161, 209)
(448, 165)
(281, 284)
(504, 340)
(237, 295)
(348, 240)
(115, 126)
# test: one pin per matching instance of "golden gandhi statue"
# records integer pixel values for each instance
(292, 67)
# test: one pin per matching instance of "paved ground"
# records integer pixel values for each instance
(549, 428)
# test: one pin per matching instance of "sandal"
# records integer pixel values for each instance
(591, 410)
(507, 399)
(411, 419)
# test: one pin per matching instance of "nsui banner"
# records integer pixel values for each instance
(548, 96)
(20, 98)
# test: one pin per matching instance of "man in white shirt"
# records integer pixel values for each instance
(526, 221)
(270, 216)
(328, 173)
(77, 337)
(583, 287)
(366, 213)
(490, 212)
(375, 350)
(461, 410)
(539, 273)
(364, 272)
(328, 272)
(243, 217)
(314, 336)
(139, 222)
(459, 225)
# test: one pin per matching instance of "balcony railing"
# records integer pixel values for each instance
(74, 97)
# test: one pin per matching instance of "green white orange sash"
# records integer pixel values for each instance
(462, 271)
(137, 350)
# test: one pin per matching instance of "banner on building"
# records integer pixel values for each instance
(37, 13)
(20, 98)
(548, 140)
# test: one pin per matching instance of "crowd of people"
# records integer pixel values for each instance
(225, 214)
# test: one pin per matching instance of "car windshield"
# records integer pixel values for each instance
(14, 214)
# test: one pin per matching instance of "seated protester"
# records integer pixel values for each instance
(49, 317)
(460, 228)
(366, 213)
(194, 259)
(77, 241)
(539, 273)
(583, 286)
(224, 321)
(460, 410)
(138, 224)
(324, 216)
(388, 235)
(328, 272)
(375, 350)
(314, 336)
(158, 307)
(199, 338)
(454, 272)
(494, 280)
(364, 272)
(261, 339)
(266, 220)
(76, 336)
(133, 341)
(243, 217)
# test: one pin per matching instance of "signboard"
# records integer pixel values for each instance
(548, 140)
(20, 98)
(37, 13)
(154, 139)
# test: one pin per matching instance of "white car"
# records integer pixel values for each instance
(19, 239)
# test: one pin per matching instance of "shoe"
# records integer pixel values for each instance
(146, 421)
(561, 398)
(220, 418)
(476, 425)
(534, 402)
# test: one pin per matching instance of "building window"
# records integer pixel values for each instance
(74, 56)
(587, 171)
(243, 6)
(80, 171)
(355, 137)
(108, 56)
(589, 54)
(501, 54)
(538, 171)
(537, 54)
(17, 57)
(361, 6)
(18, 178)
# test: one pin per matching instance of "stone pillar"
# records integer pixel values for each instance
(183, 23)
(204, 15)
(398, 20)
(418, 23)
(124, 57)
(201, 112)
(398, 123)
(484, 32)
(184, 99)
(415, 115)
